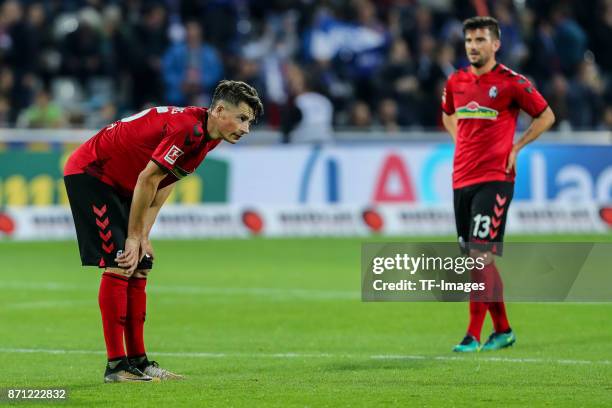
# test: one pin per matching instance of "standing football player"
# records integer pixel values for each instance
(117, 182)
(480, 106)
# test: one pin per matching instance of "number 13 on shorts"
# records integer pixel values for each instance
(482, 224)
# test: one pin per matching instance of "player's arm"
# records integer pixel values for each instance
(449, 118)
(450, 124)
(539, 125)
(144, 194)
(151, 215)
(159, 200)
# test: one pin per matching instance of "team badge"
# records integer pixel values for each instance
(173, 154)
(493, 92)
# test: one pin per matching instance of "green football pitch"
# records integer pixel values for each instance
(279, 322)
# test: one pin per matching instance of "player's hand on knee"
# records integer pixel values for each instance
(130, 256)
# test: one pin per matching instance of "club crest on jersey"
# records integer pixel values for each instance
(173, 154)
(493, 92)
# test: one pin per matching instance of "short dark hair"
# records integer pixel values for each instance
(235, 92)
(489, 22)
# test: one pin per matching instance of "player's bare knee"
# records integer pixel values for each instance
(119, 271)
(141, 273)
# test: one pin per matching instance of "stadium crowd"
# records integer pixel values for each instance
(358, 64)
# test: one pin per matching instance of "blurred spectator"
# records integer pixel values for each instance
(586, 97)
(416, 23)
(369, 57)
(148, 45)
(602, 35)
(43, 113)
(570, 39)
(191, 69)
(397, 79)
(18, 52)
(116, 47)
(387, 115)
(219, 19)
(432, 83)
(357, 47)
(82, 48)
(543, 60)
(558, 99)
(268, 52)
(513, 50)
(360, 116)
(308, 118)
(45, 59)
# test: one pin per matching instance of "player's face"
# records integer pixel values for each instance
(480, 46)
(233, 121)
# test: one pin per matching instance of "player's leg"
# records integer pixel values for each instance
(462, 199)
(136, 315)
(99, 223)
(113, 301)
(490, 209)
(135, 322)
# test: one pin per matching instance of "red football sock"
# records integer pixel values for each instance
(136, 313)
(478, 312)
(498, 314)
(478, 304)
(112, 299)
(498, 308)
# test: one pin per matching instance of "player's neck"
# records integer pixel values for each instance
(485, 68)
(211, 128)
(211, 131)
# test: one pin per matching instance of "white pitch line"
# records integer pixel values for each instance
(274, 293)
(474, 358)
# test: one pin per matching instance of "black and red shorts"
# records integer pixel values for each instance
(101, 220)
(480, 215)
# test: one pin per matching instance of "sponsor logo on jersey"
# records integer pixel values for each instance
(173, 154)
(493, 92)
(474, 111)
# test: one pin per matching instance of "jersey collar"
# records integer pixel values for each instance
(486, 73)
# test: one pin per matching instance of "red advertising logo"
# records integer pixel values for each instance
(7, 225)
(373, 220)
(253, 221)
(606, 215)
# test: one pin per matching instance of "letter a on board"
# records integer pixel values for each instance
(393, 184)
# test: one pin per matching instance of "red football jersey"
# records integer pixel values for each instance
(175, 138)
(487, 107)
